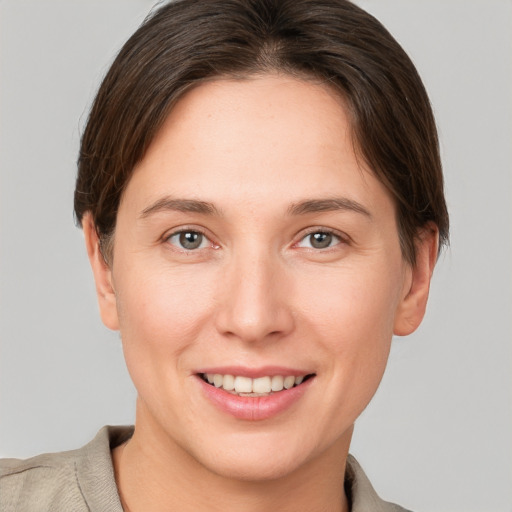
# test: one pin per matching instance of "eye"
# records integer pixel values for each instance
(319, 240)
(189, 240)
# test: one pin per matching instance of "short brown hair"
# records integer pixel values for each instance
(186, 42)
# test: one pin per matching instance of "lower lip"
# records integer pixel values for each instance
(254, 408)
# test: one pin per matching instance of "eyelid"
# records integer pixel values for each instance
(189, 228)
(343, 237)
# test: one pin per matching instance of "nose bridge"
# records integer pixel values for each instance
(254, 304)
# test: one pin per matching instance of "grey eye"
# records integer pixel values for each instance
(320, 240)
(188, 240)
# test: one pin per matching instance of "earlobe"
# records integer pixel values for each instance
(102, 275)
(413, 304)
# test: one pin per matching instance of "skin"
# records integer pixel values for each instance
(255, 293)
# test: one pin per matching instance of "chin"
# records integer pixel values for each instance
(256, 458)
(254, 469)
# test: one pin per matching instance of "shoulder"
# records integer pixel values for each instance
(362, 495)
(73, 480)
(44, 482)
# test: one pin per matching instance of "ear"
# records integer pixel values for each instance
(102, 275)
(411, 309)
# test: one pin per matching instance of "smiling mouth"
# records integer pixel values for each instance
(261, 386)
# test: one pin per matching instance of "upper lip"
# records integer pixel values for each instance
(254, 372)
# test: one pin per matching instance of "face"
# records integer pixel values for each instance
(255, 251)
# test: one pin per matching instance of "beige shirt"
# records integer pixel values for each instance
(83, 480)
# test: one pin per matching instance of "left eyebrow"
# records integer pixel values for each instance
(179, 205)
(328, 205)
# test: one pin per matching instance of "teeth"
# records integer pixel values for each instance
(260, 386)
(243, 384)
(289, 381)
(277, 383)
(228, 383)
(218, 380)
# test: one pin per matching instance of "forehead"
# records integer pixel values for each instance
(261, 139)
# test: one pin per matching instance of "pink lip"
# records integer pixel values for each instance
(253, 408)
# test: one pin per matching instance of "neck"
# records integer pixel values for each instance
(154, 473)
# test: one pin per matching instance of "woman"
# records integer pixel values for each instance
(262, 201)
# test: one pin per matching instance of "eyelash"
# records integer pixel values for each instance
(341, 238)
(187, 231)
(334, 235)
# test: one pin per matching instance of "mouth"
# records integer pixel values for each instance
(261, 386)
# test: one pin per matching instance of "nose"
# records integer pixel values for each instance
(254, 298)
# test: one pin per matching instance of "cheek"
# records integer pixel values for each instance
(351, 313)
(351, 300)
(160, 312)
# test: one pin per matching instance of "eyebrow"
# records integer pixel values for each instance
(301, 208)
(328, 205)
(179, 205)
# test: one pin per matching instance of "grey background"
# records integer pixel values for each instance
(438, 435)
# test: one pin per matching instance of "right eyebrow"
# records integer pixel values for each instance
(179, 205)
(328, 205)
